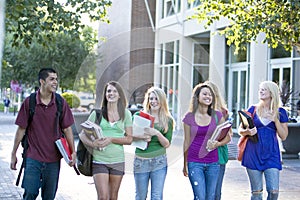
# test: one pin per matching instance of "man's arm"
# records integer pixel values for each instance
(70, 138)
(18, 138)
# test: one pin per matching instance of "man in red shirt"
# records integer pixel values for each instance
(43, 158)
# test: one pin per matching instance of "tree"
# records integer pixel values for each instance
(278, 19)
(28, 19)
(63, 53)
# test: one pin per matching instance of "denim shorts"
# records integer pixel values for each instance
(114, 169)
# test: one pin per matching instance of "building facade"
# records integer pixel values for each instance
(186, 54)
(126, 48)
(154, 43)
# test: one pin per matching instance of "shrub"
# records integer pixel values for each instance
(72, 99)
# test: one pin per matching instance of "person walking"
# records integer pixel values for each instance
(151, 164)
(6, 103)
(222, 149)
(201, 165)
(108, 152)
(43, 157)
(262, 158)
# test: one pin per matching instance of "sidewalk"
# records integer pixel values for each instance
(177, 187)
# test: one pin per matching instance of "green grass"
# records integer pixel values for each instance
(11, 109)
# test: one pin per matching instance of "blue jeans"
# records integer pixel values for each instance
(220, 182)
(256, 182)
(203, 178)
(146, 169)
(40, 175)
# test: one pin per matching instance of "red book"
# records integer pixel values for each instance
(64, 149)
(148, 116)
(66, 152)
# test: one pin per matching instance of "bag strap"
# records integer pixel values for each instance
(98, 115)
(58, 100)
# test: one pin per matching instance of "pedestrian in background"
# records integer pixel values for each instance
(262, 158)
(116, 124)
(6, 103)
(201, 165)
(151, 164)
(222, 149)
(43, 157)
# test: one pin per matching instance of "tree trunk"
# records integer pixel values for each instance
(2, 35)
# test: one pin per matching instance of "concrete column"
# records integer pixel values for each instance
(258, 66)
(217, 60)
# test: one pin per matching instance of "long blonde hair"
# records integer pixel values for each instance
(275, 97)
(164, 114)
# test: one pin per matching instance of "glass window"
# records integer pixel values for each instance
(170, 7)
(280, 52)
(241, 56)
(200, 74)
(169, 74)
(193, 4)
(169, 53)
(161, 53)
(201, 53)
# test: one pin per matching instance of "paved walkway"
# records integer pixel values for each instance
(177, 187)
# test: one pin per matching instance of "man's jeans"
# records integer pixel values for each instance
(154, 169)
(256, 182)
(203, 178)
(40, 175)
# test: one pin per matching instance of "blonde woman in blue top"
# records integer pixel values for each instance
(262, 158)
(116, 124)
(151, 164)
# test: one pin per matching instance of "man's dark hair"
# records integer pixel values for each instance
(44, 73)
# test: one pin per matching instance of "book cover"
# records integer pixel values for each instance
(148, 116)
(92, 130)
(64, 149)
(138, 125)
(221, 131)
(247, 121)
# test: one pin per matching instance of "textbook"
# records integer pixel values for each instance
(148, 116)
(138, 125)
(92, 130)
(65, 151)
(247, 122)
(221, 131)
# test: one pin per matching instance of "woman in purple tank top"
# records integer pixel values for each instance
(201, 165)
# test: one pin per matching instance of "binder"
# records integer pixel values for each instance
(247, 121)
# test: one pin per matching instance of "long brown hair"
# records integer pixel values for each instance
(194, 104)
(122, 102)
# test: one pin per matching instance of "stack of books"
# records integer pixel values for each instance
(92, 130)
(140, 122)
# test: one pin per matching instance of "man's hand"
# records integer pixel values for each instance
(13, 162)
(73, 161)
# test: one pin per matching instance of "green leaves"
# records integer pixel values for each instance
(278, 19)
(29, 18)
